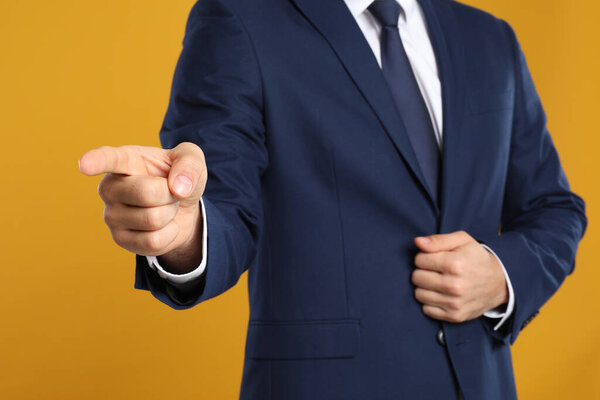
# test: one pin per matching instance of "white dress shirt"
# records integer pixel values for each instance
(415, 38)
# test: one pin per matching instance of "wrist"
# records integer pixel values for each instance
(502, 293)
(502, 298)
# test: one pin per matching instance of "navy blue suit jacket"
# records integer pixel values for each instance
(314, 189)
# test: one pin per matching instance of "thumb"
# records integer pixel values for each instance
(187, 177)
(443, 242)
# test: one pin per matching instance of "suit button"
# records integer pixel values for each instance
(440, 337)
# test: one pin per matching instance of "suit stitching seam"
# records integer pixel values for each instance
(339, 212)
(256, 59)
(515, 329)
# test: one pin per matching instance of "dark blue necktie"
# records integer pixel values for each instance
(405, 91)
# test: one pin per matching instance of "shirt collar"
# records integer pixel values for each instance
(358, 7)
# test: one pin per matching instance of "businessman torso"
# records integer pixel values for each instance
(308, 151)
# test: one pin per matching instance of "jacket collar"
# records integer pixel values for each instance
(358, 7)
(335, 21)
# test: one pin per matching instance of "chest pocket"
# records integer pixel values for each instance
(483, 101)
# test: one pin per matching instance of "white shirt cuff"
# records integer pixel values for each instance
(497, 312)
(183, 278)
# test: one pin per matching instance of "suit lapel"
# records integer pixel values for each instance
(335, 22)
(443, 31)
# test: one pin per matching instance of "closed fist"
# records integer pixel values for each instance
(151, 195)
(456, 279)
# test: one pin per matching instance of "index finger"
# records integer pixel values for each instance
(105, 159)
(443, 241)
(126, 160)
(432, 261)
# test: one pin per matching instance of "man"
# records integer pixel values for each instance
(383, 171)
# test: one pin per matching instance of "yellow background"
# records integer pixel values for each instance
(79, 74)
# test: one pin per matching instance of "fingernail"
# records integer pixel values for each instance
(182, 185)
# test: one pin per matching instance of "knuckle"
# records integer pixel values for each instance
(192, 165)
(104, 189)
(458, 289)
(454, 305)
(152, 242)
(109, 216)
(419, 259)
(184, 146)
(191, 147)
(122, 158)
(153, 218)
(418, 294)
(193, 162)
(456, 266)
(146, 192)
(455, 316)
(190, 151)
(415, 277)
(453, 287)
(119, 237)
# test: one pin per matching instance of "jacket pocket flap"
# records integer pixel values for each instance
(303, 339)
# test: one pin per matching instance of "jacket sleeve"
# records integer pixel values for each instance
(542, 220)
(216, 103)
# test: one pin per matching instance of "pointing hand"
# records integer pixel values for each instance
(151, 195)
